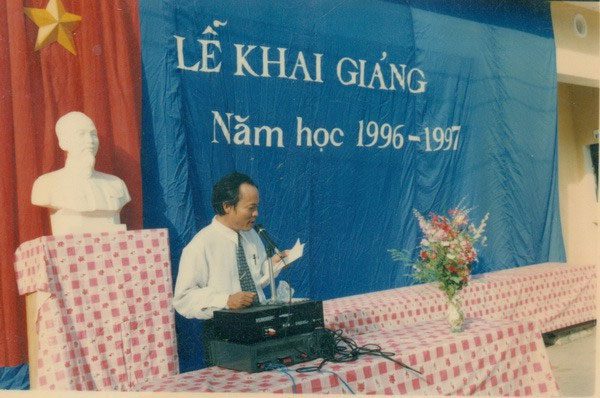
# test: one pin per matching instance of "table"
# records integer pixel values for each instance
(554, 295)
(107, 322)
(490, 357)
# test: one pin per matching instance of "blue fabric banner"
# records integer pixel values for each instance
(349, 116)
(14, 377)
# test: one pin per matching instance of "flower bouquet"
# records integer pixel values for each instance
(447, 252)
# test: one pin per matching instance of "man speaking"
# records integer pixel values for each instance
(225, 265)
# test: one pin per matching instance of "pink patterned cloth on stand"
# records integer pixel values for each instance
(108, 322)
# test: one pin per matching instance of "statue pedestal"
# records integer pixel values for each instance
(65, 222)
(33, 302)
(99, 309)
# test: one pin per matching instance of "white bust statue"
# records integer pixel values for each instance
(80, 198)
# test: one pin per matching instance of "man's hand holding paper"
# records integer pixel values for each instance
(288, 256)
(283, 259)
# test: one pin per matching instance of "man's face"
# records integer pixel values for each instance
(78, 137)
(84, 140)
(243, 215)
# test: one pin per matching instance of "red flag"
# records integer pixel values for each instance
(37, 87)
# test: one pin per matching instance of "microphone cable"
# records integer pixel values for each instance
(347, 350)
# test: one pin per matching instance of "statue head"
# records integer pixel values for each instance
(77, 135)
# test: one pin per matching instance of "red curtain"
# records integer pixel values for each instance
(37, 87)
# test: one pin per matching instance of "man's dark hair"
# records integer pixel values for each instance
(227, 190)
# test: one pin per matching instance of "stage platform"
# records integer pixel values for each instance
(500, 352)
(490, 357)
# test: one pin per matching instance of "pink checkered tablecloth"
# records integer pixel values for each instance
(554, 295)
(108, 322)
(490, 357)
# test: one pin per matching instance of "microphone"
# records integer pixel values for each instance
(272, 247)
(262, 232)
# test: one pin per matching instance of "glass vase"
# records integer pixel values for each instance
(456, 316)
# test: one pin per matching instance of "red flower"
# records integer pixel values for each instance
(424, 255)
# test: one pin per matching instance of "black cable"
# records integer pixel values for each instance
(347, 350)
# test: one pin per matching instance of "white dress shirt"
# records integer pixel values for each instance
(208, 271)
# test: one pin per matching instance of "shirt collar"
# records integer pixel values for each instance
(225, 230)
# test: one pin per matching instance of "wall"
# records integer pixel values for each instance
(580, 211)
(578, 68)
(577, 59)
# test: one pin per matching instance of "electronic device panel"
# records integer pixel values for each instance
(268, 322)
(269, 354)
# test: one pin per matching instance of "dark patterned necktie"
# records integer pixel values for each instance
(246, 281)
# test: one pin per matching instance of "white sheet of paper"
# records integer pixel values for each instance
(293, 254)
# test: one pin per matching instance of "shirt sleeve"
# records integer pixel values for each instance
(193, 298)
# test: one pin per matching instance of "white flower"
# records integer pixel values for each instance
(460, 218)
(479, 231)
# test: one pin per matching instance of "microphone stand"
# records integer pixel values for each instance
(271, 249)
(270, 253)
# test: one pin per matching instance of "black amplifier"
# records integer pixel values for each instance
(267, 355)
(267, 322)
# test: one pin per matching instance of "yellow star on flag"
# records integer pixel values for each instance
(54, 25)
